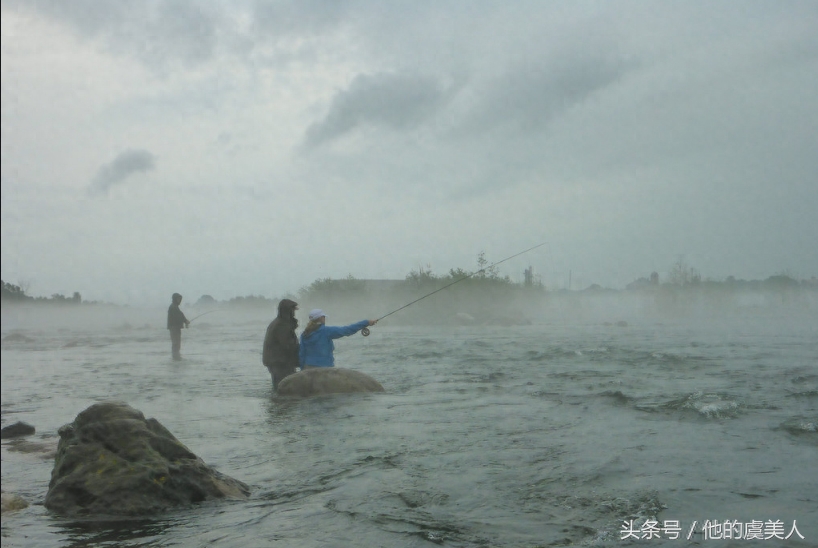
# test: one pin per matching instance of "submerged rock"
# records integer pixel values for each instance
(112, 461)
(16, 430)
(17, 337)
(318, 381)
(11, 502)
(46, 450)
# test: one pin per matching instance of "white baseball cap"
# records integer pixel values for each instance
(317, 313)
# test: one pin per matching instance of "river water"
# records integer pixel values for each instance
(566, 431)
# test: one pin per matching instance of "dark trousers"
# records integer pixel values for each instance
(278, 373)
(176, 342)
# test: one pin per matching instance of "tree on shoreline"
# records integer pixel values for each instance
(15, 293)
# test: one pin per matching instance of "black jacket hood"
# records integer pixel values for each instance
(286, 309)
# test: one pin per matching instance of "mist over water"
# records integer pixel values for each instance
(506, 422)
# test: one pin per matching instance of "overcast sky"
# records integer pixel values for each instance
(251, 147)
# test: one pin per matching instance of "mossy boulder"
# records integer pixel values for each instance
(111, 461)
(319, 381)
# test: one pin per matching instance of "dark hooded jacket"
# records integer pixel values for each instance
(176, 318)
(280, 343)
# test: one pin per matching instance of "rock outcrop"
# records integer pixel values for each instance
(111, 461)
(318, 381)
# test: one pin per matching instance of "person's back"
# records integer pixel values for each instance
(280, 351)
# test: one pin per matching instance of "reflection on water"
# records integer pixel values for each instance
(82, 534)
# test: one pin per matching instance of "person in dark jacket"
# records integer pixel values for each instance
(280, 353)
(317, 347)
(176, 321)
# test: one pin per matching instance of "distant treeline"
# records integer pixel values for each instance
(486, 281)
(682, 275)
(422, 281)
(777, 282)
(15, 293)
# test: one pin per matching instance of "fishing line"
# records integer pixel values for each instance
(365, 331)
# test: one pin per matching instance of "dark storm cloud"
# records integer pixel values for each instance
(123, 166)
(393, 101)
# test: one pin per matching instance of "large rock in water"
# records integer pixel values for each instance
(112, 461)
(317, 381)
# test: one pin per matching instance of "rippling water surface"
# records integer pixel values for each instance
(550, 434)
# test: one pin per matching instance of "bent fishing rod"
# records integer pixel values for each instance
(365, 331)
(204, 314)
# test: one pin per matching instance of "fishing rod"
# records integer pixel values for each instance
(204, 314)
(365, 331)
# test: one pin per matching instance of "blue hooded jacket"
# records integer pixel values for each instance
(316, 349)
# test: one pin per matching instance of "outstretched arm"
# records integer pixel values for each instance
(336, 332)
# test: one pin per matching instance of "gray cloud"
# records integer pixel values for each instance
(171, 34)
(275, 19)
(395, 101)
(123, 166)
(160, 34)
(530, 95)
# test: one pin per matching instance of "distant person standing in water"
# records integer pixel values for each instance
(280, 353)
(317, 346)
(176, 321)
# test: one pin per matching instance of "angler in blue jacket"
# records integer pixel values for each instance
(317, 346)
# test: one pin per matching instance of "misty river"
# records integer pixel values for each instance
(584, 431)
